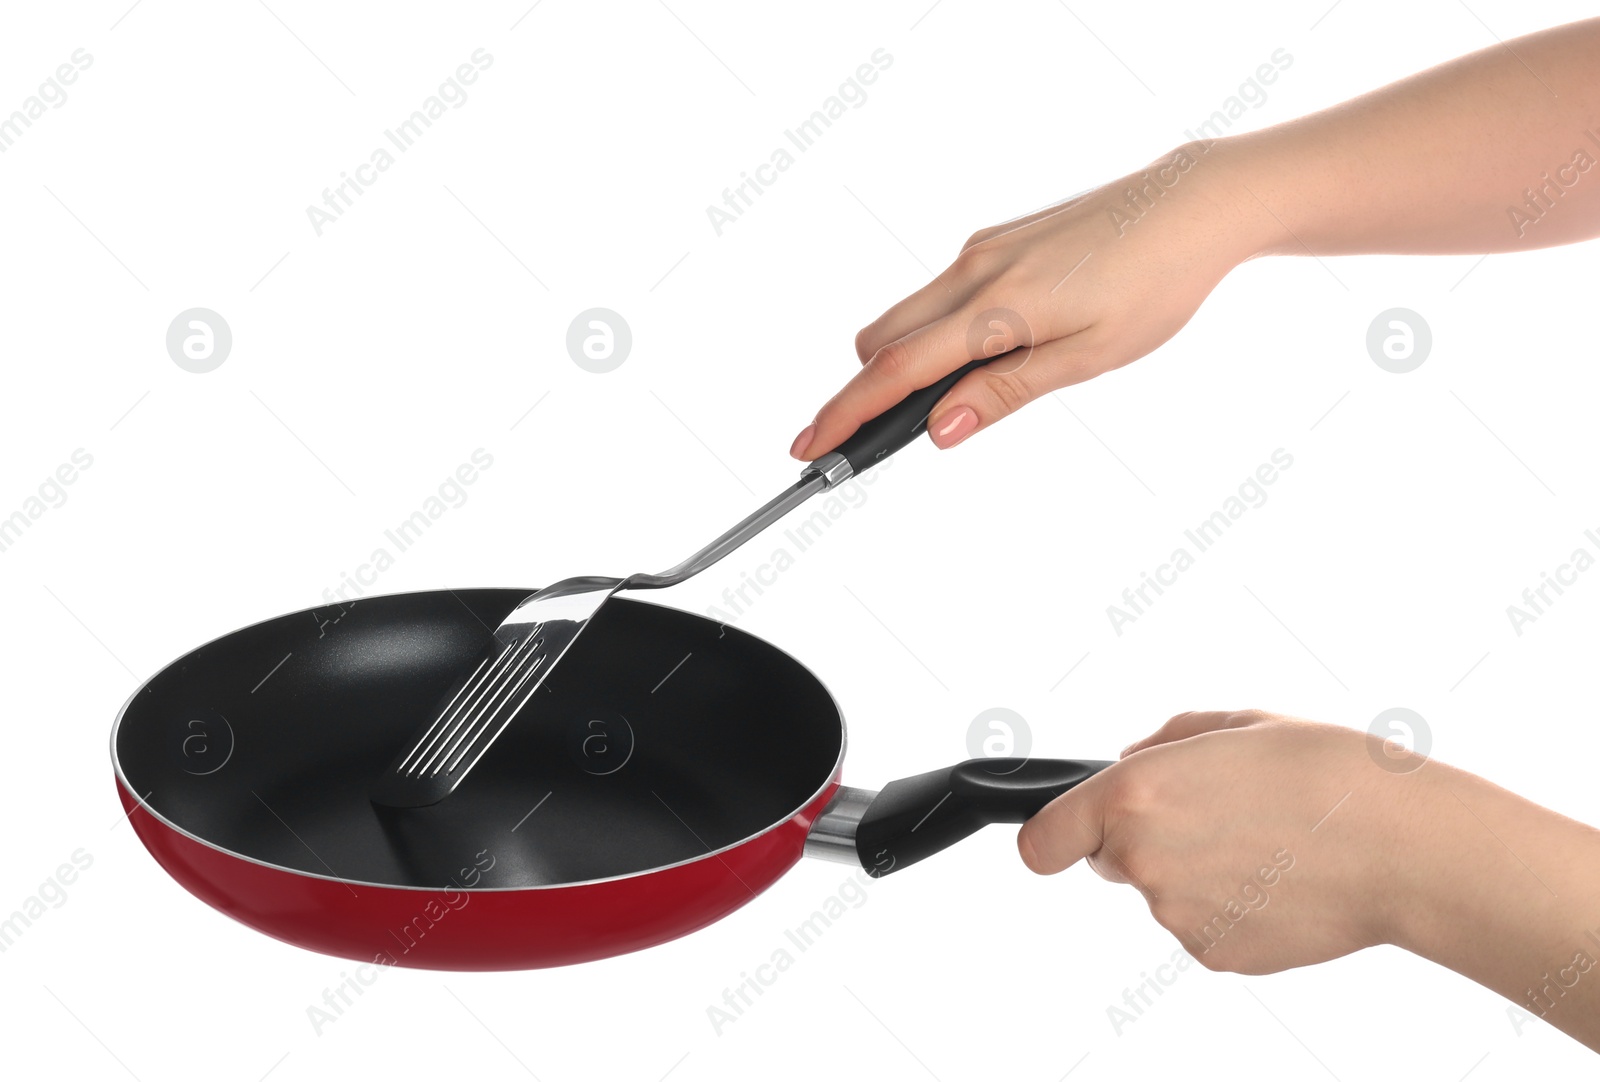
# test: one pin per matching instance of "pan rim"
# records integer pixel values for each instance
(833, 778)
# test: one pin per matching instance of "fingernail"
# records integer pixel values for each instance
(802, 441)
(954, 427)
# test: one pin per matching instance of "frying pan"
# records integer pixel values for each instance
(673, 769)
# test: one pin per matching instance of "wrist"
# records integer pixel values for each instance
(1418, 892)
(1234, 178)
(1485, 882)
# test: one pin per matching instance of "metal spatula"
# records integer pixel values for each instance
(530, 641)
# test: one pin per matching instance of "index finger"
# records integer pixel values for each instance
(917, 360)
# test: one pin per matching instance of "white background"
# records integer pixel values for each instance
(370, 361)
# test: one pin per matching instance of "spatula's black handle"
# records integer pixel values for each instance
(898, 425)
(916, 817)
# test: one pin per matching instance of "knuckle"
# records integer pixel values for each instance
(1007, 390)
(893, 360)
(864, 340)
(1128, 798)
(977, 258)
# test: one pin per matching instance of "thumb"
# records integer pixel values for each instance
(1068, 829)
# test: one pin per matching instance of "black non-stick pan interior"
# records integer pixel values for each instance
(660, 736)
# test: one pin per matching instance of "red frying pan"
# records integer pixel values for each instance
(670, 770)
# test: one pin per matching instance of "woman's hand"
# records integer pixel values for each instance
(1264, 842)
(1428, 164)
(1260, 842)
(1082, 287)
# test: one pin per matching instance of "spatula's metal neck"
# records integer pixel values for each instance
(833, 467)
(824, 473)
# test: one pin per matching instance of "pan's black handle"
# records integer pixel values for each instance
(898, 425)
(916, 817)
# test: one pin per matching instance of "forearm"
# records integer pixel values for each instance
(1495, 151)
(1504, 892)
